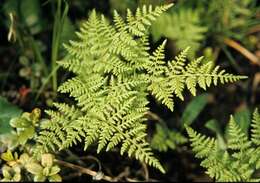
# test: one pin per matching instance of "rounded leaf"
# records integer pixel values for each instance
(5, 180)
(24, 158)
(17, 177)
(55, 178)
(34, 168)
(47, 160)
(28, 133)
(7, 156)
(20, 122)
(46, 171)
(35, 115)
(17, 168)
(54, 170)
(39, 178)
(6, 173)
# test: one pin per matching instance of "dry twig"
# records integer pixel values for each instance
(250, 56)
(84, 170)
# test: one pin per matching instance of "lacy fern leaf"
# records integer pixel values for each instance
(165, 139)
(238, 162)
(183, 27)
(114, 73)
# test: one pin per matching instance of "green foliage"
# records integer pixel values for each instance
(207, 25)
(183, 27)
(241, 158)
(114, 73)
(242, 117)
(165, 139)
(25, 21)
(29, 12)
(25, 168)
(24, 129)
(230, 18)
(19, 164)
(234, 20)
(194, 108)
(44, 170)
(8, 111)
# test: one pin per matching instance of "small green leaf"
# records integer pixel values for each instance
(54, 170)
(25, 135)
(6, 173)
(39, 178)
(55, 178)
(20, 122)
(213, 125)
(17, 177)
(24, 158)
(35, 115)
(34, 168)
(5, 180)
(10, 140)
(47, 160)
(7, 111)
(46, 171)
(194, 108)
(17, 168)
(7, 156)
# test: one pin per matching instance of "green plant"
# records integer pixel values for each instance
(183, 27)
(25, 168)
(23, 129)
(26, 26)
(8, 111)
(211, 25)
(165, 139)
(45, 169)
(114, 73)
(19, 145)
(237, 160)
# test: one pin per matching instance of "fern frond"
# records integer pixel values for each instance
(237, 140)
(119, 22)
(165, 139)
(179, 75)
(114, 73)
(137, 24)
(239, 162)
(202, 145)
(256, 127)
(157, 65)
(183, 27)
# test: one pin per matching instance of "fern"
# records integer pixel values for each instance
(238, 162)
(165, 139)
(183, 27)
(114, 73)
